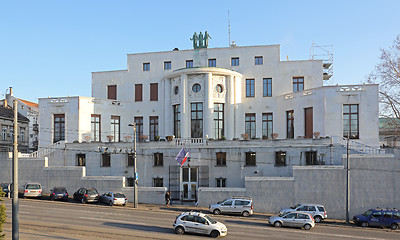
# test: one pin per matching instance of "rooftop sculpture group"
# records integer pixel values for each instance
(200, 41)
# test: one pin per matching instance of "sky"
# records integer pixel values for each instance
(50, 48)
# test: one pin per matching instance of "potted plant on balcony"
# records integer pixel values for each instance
(110, 138)
(143, 138)
(127, 138)
(317, 134)
(245, 136)
(274, 135)
(87, 138)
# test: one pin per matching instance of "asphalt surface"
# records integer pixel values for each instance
(43, 219)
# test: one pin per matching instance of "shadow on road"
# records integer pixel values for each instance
(258, 224)
(140, 227)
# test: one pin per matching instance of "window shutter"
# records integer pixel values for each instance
(153, 91)
(138, 93)
(112, 92)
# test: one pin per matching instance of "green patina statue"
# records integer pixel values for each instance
(200, 41)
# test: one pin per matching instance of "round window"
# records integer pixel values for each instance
(219, 88)
(176, 90)
(196, 87)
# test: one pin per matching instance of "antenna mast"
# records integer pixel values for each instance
(229, 30)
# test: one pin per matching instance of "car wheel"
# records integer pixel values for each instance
(124, 204)
(307, 227)
(111, 203)
(277, 224)
(179, 230)
(83, 201)
(214, 234)
(364, 224)
(318, 219)
(245, 214)
(394, 226)
(217, 212)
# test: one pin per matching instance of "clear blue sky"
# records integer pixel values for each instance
(50, 48)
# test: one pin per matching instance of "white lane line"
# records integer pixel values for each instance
(116, 221)
(311, 233)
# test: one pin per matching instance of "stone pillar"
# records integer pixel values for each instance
(167, 120)
(208, 107)
(185, 107)
(229, 122)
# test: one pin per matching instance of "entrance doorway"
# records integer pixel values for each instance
(189, 176)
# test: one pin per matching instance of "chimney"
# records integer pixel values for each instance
(5, 102)
(11, 93)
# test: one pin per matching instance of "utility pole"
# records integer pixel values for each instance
(135, 178)
(347, 181)
(15, 204)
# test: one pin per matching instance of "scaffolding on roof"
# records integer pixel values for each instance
(324, 53)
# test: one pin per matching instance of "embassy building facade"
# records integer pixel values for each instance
(241, 112)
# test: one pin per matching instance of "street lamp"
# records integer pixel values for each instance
(135, 174)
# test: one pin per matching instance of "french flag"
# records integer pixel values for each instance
(182, 156)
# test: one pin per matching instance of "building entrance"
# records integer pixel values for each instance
(189, 176)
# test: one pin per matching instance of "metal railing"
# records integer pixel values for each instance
(356, 146)
(190, 141)
(44, 151)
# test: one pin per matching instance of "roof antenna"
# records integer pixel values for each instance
(229, 30)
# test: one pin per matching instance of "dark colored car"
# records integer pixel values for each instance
(379, 218)
(5, 187)
(85, 195)
(59, 193)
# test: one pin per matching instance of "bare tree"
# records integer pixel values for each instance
(387, 75)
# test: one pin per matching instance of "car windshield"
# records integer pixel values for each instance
(212, 221)
(60, 190)
(92, 191)
(222, 201)
(298, 205)
(367, 213)
(32, 186)
(119, 195)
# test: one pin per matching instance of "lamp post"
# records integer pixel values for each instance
(347, 181)
(135, 178)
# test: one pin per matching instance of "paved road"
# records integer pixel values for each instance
(41, 219)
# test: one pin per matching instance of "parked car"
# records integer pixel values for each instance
(293, 219)
(32, 190)
(234, 205)
(85, 195)
(59, 193)
(316, 210)
(379, 218)
(114, 198)
(5, 187)
(196, 222)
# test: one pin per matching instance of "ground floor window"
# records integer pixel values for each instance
(105, 160)
(221, 182)
(311, 158)
(81, 159)
(158, 182)
(280, 158)
(129, 182)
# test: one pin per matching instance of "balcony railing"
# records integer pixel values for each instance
(357, 147)
(190, 141)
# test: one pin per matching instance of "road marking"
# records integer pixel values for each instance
(116, 221)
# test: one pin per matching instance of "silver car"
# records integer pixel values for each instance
(32, 190)
(316, 210)
(112, 198)
(196, 222)
(293, 219)
(234, 205)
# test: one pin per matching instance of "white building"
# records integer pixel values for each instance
(201, 95)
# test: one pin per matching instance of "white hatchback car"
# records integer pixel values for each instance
(196, 222)
(114, 198)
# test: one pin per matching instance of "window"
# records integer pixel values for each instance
(158, 159)
(177, 120)
(350, 121)
(227, 203)
(112, 92)
(167, 65)
(138, 92)
(221, 182)
(153, 128)
(158, 182)
(235, 61)
(280, 158)
(139, 128)
(176, 90)
(153, 91)
(298, 84)
(219, 88)
(290, 124)
(130, 181)
(242, 203)
(221, 158)
(267, 125)
(387, 214)
(196, 120)
(146, 66)
(81, 159)
(189, 63)
(267, 87)
(4, 133)
(196, 87)
(212, 62)
(250, 159)
(377, 214)
(218, 120)
(311, 158)
(258, 60)
(95, 121)
(250, 125)
(59, 127)
(115, 128)
(22, 134)
(105, 160)
(250, 88)
(130, 160)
